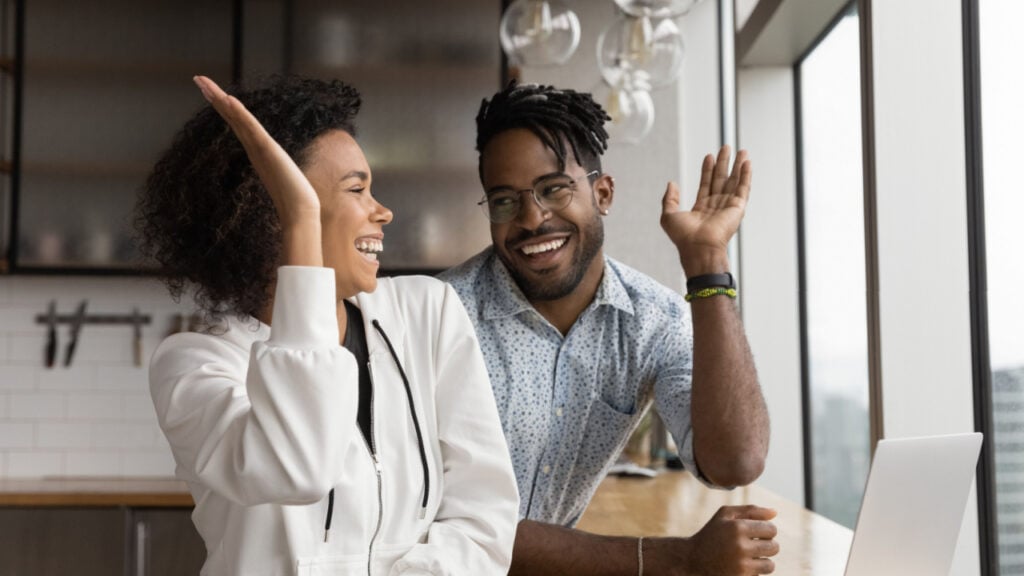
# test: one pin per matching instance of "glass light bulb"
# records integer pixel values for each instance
(656, 8)
(539, 32)
(640, 52)
(631, 111)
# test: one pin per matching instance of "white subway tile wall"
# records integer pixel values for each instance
(92, 464)
(16, 377)
(34, 464)
(16, 435)
(95, 417)
(95, 406)
(45, 406)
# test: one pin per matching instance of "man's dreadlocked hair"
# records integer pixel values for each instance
(553, 115)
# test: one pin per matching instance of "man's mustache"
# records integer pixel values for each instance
(540, 231)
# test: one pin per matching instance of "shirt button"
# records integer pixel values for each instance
(558, 411)
(547, 469)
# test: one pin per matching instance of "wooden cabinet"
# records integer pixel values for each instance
(44, 541)
(105, 85)
(9, 24)
(164, 542)
(99, 541)
(422, 74)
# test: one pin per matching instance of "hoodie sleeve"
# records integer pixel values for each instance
(474, 529)
(265, 425)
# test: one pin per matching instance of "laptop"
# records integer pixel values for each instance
(913, 506)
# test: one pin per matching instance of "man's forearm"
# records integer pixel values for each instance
(729, 416)
(736, 541)
(547, 549)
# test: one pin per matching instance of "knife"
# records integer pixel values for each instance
(50, 352)
(76, 328)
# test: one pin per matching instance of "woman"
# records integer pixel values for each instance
(329, 422)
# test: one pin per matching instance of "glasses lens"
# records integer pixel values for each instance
(502, 206)
(555, 193)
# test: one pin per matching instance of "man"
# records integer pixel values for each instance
(578, 345)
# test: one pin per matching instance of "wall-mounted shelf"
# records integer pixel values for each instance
(403, 74)
(127, 319)
(85, 169)
(164, 70)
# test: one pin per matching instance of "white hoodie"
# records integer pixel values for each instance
(262, 424)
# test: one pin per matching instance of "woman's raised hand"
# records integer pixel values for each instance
(295, 200)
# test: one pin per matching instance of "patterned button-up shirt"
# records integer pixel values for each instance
(568, 404)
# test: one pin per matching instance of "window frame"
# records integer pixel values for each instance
(981, 367)
(756, 52)
(875, 424)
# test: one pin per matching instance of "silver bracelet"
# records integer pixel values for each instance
(640, 555)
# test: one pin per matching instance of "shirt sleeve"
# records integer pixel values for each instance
(269, 425)
(474, 530)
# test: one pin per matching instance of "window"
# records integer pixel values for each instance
(835, 354)
(1002, 91)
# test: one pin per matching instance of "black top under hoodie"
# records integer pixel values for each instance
(355, 342)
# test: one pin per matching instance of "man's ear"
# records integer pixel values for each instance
(604, 192)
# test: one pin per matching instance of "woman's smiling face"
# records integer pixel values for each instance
(352, 220)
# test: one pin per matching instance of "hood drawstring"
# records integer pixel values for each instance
(330, 514)
(415, 421)
(419, 440)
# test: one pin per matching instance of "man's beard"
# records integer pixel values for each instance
(551, 286)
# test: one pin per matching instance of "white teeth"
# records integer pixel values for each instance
(531, 249)
(370, 246)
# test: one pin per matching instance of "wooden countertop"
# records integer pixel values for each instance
(673, 504)
(676, 504)
(118, 491)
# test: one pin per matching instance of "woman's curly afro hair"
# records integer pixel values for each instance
(205, 217)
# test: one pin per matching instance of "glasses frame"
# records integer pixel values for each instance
(533, 193)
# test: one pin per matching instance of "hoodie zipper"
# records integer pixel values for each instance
(372, 448)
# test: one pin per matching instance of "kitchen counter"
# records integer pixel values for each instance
(676, 504)
(114, 491)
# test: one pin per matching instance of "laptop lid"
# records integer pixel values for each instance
(913, 506)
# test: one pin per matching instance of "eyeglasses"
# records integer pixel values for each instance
(553, 193)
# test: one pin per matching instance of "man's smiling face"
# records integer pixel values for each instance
(547, 252)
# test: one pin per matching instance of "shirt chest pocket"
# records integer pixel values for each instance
(605, 434)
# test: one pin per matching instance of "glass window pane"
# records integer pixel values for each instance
(1002, 91)
(834, 271)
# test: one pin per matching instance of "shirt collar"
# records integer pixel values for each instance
(508, 299)
(611, 291)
